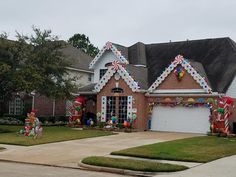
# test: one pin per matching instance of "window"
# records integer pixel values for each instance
(111, 106)
(90, 77)
(102, 73)
(16, 106)
(117, 90)
(122, 109)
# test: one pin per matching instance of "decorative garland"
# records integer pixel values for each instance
(108, 46)
(186, 65)
(179, 101)
(117, 67)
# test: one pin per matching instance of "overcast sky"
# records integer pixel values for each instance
(122, 21)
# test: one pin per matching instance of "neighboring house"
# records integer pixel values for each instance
(144, 81)
(79, 62)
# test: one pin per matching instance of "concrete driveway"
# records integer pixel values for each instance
(69, 153)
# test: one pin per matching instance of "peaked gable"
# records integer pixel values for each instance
(179, 60)
(117, 68)
(172, 82)
(108, 46)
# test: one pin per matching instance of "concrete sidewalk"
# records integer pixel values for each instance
(69, 153)
(225, 167)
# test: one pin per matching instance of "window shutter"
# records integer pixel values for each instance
(103, 109)
(129, 107)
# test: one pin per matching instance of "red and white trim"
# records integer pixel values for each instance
(117, 68)
(108, 46)
(186, 65)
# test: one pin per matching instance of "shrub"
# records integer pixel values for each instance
(10, 121)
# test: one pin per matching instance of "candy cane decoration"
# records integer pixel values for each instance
(226, 130)
(224, 103)
(226, 118)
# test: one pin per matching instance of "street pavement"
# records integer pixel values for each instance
(26, 170)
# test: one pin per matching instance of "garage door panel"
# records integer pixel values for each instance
(180, 119)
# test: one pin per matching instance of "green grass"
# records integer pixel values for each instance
(130, 164)
(197, 149)
(9, 135)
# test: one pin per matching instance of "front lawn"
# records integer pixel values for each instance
(9, 135)
(197, 149)
(130, 164)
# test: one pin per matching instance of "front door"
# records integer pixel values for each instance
(116, 106)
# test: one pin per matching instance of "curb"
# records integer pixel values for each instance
(116, 170)
(40, 164)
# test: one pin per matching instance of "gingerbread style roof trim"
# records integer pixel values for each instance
(186, 65)
(117, 68)
(108, 46)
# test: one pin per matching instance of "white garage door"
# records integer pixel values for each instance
(180, 119)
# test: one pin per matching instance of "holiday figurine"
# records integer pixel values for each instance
(33, 126)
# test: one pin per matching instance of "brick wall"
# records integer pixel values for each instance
(139, 101)
(44, 105)
(187, 82)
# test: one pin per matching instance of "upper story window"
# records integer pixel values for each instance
(90, 77)
(102, 73)
(117, 90)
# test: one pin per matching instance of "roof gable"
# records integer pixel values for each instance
(179, 60)
(108, 46)
(117, 68)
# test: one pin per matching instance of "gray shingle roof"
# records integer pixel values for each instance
(216, 59)
(87, 88)
(77, 58)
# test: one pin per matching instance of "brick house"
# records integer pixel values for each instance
(165, 91)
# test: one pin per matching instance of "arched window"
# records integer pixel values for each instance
(117, 90)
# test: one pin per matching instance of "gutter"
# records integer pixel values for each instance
(141, 90)
(81, 70)
(214, 94)
(84, 93)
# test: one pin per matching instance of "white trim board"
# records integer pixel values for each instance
(180, 91)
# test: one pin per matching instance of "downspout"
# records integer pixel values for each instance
(53, 107)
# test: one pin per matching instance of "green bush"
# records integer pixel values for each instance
(101, 124)
(18, 117)
(120, 125)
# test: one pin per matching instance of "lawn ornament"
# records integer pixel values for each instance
(33, 127)
(222, 114)
(113, 119)
(90, 122)
(76, 112)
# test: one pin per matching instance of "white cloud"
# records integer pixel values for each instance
(123, 21)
